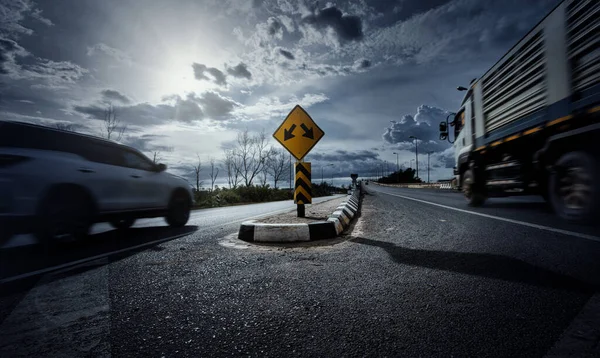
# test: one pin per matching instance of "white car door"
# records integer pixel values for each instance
(108, 177)
(151, 189)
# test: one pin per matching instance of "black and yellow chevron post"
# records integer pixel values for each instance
(302, 190)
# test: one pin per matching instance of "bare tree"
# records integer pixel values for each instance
(197, 168)
(112, 126)
(231, 167)
(214, 173)
(65, 127)
(262, 177)
(277, 166)
(252, 153)
(156, 157)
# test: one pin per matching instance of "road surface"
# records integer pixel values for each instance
(419, 274)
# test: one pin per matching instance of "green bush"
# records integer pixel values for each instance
(253, 194)
(229, 196)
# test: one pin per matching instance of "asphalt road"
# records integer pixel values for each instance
(419, 274)
(21, 255)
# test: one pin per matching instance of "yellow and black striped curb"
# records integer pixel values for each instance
(337, 222)
(303, 188)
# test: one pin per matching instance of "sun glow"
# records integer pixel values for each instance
(177, 77)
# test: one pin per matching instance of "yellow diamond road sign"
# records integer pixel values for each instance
(298, 133)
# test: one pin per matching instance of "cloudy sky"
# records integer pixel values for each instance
(187, 75)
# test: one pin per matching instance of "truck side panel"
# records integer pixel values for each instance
(583, 51)
(551, 74)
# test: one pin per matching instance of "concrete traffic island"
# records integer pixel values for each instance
(323, 221)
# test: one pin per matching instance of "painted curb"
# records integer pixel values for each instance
(336, 223)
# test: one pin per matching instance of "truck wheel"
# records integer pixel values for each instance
(65, 214)
(178, 212)
(574, 193)
(122, 224)
(474, 197)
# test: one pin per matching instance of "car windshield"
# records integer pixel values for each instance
(290, 178)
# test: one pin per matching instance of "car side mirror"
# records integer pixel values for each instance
(161, 167)
(443, 127)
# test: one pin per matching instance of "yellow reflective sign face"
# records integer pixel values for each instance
(298, 133)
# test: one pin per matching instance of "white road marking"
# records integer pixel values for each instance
(523, 223)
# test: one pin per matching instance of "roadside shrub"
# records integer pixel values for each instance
(282, 194)
(229, 196)
(254, 194)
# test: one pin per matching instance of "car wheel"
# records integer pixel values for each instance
(573, 190)
(178, 212)
(122, 224)
(64, 215)
(472, 194)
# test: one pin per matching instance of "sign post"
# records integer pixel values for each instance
(354, 177)
(299, 134)
(303, 188)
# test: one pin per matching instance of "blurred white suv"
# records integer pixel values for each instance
(56, 184)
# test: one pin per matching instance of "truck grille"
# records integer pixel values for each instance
(583, 25)
(517, 87)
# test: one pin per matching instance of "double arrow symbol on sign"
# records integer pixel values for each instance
(289, 134)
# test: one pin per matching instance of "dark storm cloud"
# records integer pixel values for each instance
(174, 108)
(92, 111)
(215, 106)
(145, 143)
(287, 54)
(112, 95)
(218, 76)
(424, 126)
(200, 71)
(143, 114)
(364, 64)
(433, 35)
(9, 49)
(12, 13)
(344, 155)
(444, 159)
(240, 71)
(342, 163)
(274, 26)
(346, 27)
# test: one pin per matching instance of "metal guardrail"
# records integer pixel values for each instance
(446, 186)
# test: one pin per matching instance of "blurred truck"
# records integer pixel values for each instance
(530, 124)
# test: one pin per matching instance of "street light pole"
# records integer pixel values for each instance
(428, 154)
(331, 175)
(416, 152)
(397, 166)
